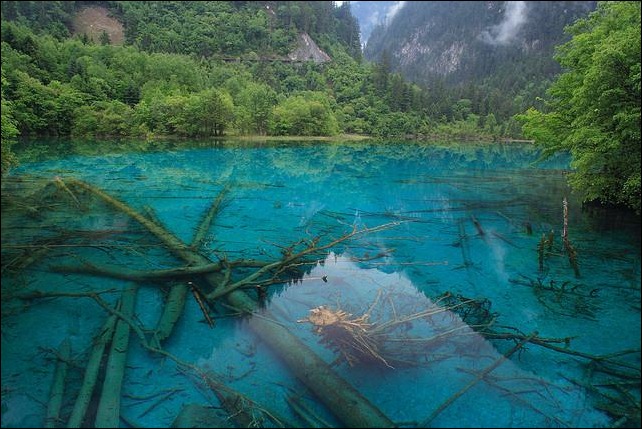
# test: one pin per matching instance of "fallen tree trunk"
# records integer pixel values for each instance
(91, 373)
(136, 275)
(108, 414)
(311, 419)
(58, 385)
(174, 305)
(206, 223)
(344, 401)
(151, 275)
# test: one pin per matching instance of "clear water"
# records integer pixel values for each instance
(457, 217)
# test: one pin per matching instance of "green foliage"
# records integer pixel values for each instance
(45, 17)
(210, 112)
(104, 38)
(397, 124)
(221, 28)
(103, 118)
(9, 130)
(594, 106)
(254, 107)
(306, 114)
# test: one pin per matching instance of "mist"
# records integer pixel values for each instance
(393, 11)
(505, 31)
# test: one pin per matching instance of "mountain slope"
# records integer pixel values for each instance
(501, 45)
(465, 40)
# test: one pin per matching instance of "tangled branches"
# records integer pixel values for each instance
(350, 336)
(388, 336)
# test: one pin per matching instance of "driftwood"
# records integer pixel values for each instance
(349, 406)
(61, 185)
(234, 401)
(290, 258)
(381, 336)
(343, 400)
(184, 272)
(178, 291)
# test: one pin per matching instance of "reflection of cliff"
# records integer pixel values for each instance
(307, 50)
(365, 318)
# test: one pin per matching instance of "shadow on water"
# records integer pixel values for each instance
(402, 276)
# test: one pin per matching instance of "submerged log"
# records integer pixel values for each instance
(541, 252)
(174, 305)
(108, 412)
(138, 275)
(91, 373)
(568, 247)
(153, 275)
(61, 185)
(478, 226)
(344, 401)
(310, 418)
(200, 416)
(58, 385)
(206, 223)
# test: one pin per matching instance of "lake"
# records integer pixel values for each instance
(421, 285)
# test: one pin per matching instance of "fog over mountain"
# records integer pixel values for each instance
(369, 14)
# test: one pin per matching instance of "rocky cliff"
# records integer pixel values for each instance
(307, 50)
(463, 42)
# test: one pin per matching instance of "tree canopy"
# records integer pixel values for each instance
(593, 108)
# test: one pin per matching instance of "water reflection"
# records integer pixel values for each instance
(367, 322)
(403, 314)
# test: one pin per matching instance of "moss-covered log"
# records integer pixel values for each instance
(174, 305)
(91, 373)
(206, 223)
(108, 412)
(138, 275)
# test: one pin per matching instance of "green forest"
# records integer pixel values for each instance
(207, 69)
(166, 80)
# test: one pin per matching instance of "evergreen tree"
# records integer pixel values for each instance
(104, 38)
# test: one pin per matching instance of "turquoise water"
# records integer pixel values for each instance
(464, 220)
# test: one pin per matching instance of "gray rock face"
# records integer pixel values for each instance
(307, 50)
